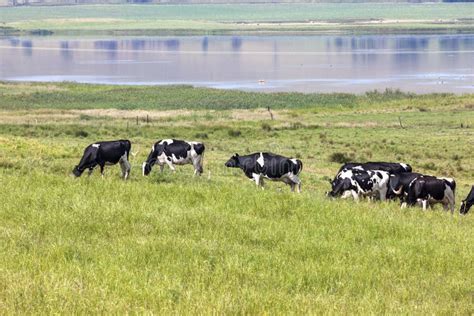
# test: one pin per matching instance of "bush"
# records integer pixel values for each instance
(201, 136)
(266, 127)
(234, 133)
(340, 157)
(81, 133)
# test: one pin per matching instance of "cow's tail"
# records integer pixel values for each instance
(199, 148)
(297, 167)
(128, 147)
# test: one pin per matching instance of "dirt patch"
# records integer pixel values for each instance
(115, 113)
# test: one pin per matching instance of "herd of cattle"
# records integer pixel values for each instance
(374, 180)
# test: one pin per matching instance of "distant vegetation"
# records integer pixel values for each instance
(80, 2)
(219, 18)
(25, 96)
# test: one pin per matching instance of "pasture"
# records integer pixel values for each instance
(237, 18)
(215, 244)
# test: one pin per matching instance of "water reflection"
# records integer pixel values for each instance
(65, 52)
(205, 44)
(236, 43)
(27, 47)
(281, 63)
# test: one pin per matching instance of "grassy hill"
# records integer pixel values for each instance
(173, 243)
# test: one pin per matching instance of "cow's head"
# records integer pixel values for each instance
(77, 171)
(150, 161)
(233, 162)
(339, 186)
(465, 207)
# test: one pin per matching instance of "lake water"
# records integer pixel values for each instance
(418, 63)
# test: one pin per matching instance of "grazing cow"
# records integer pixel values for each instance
(427, 191)
(356, 183)
(105, 153)
(173, 151)
(467, 202)
(270, 166)
(390, 167)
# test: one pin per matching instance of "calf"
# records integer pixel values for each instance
(356, 183)
(173, 151)
(105, 153)
(426, 191)
(467, 202)
(390, 167)
(270, 166)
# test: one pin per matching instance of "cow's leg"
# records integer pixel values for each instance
(256, 177)
(102, 165)
(90, 171)
(170, 164)
(355, 195)
(197, 164)
(162, 167)
(403, 205)
(424, 203)
(383, 194)
(296, 182)
(451, 200)
(125, 166)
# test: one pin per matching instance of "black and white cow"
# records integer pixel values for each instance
(390, 167)
(357, 182)
(270, 166)
(105, 153)
(175, 152)
(467, 202)
(427, 190)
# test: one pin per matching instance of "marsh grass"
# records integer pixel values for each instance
(237, 18)
(173, 243)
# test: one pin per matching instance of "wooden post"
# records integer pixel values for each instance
(400, 121)
(137, 120)
(269, 111)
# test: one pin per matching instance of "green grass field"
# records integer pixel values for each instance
(216, 18)
(174, 243)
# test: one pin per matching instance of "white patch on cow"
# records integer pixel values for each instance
(143, 168)
(260, 160)
(293, 160)
(96, 145)
(166, 141)
(404, 165)
(358, 168)
(181, 160)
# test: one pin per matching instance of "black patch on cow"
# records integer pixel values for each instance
(390, 167)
